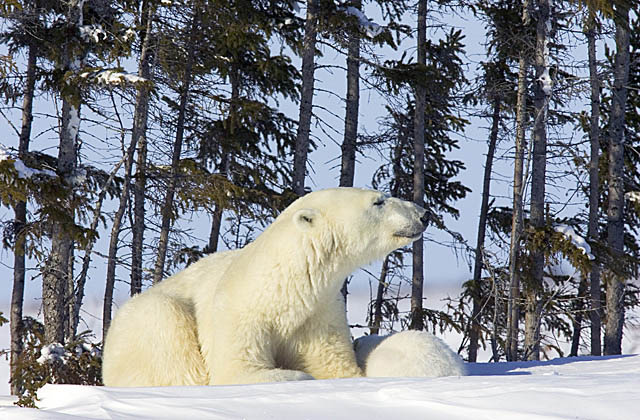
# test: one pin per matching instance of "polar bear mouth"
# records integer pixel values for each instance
(409, 234)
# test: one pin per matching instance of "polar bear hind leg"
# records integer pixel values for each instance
(153, 342)
(408, 353)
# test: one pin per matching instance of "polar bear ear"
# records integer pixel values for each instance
(304, 219)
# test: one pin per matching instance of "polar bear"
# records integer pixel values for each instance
(407, 353)
(271, 311)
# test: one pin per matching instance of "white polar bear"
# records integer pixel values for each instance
(408, 353)
(271, 311)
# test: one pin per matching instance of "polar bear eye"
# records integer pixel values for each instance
(379, 202)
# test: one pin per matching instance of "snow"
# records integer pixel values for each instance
(113, 78)
(93, 33)
(372, 29)
(545, 78)
(567, 388)
(577, 240)
(547, 83)
(74, 122)
(52, 353)
(56, 352)
(26, 172)
(23, 170)
(129, 35)
(79, 177)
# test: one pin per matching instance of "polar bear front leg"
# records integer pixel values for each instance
(330, 356)
(230, 370)
(249, 357)
(326, 349)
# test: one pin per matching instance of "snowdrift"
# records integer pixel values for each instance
(566, 388)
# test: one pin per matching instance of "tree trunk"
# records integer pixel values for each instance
(578, 310)
(615, 212)
(541, 95)
(139, 139)
(117, 223)
(55, 276)
(594, 185)
(19, 266)
(348, 162)
(417, 278)
(216, 217)
(77, 293)
(474, 331)
(214, 234)
(70, 296)
(513, 307)
(137, 230)
(376, 319)
(158, 271)
(347, 168)
(111, 261)
(56, 272)
(306, 99)
(225, 161)
(395, 186)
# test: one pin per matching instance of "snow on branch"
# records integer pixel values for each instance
(372, 29)
(94, 33)
(54, 352)
(578, 241)
(22, 169)
(113, 78)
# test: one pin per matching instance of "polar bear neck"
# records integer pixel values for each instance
(305, 272)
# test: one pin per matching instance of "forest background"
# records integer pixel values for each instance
(140, 136)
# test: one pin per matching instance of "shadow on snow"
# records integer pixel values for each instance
(510, 368)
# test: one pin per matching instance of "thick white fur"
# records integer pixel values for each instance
(408, 353)
(271, 311)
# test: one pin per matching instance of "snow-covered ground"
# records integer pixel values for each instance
(566, 388)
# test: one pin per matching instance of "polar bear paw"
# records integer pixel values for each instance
(271, 375)
(408, 353)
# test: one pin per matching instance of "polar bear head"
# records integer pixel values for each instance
(352, 225)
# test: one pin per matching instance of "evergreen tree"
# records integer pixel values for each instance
(542, 92)
(248, 141)
(591, 29)
(26, 24)
(620, 264)
(306, 98)
(496, 89)
(138, 141)
(187, 55)
(442, 75)
(517, 220)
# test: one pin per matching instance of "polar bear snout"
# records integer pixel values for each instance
(414, 223)
(411, 232)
